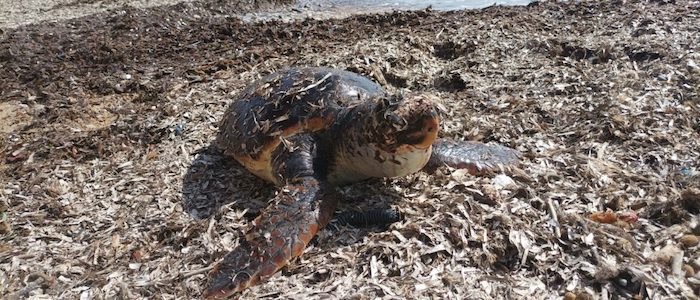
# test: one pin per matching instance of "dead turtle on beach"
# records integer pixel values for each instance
(310, 129)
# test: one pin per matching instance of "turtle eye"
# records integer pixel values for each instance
(394, 101)
(396, 121)
(390, 102)
(384, 104)
(386, 110)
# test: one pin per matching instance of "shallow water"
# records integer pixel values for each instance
(324, 9)
(421, 4)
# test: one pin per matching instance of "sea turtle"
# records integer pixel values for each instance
(308, 130)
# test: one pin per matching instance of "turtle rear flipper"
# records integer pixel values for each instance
(279, 234)
(478, 158)
(381, 217)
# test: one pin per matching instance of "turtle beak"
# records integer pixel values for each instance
(423, 136)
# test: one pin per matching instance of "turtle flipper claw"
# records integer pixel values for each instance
(279, 234)
(477, 158)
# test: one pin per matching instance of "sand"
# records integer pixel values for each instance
(109, 188)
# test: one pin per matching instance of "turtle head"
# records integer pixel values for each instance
(393, 137)
(405, 122)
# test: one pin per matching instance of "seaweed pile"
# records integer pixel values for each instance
(110, 189)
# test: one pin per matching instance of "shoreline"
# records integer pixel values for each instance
(41, 11)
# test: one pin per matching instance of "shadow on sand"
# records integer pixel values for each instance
(214, 180)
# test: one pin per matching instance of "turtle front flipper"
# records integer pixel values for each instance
(476, 157)
(279, 234)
